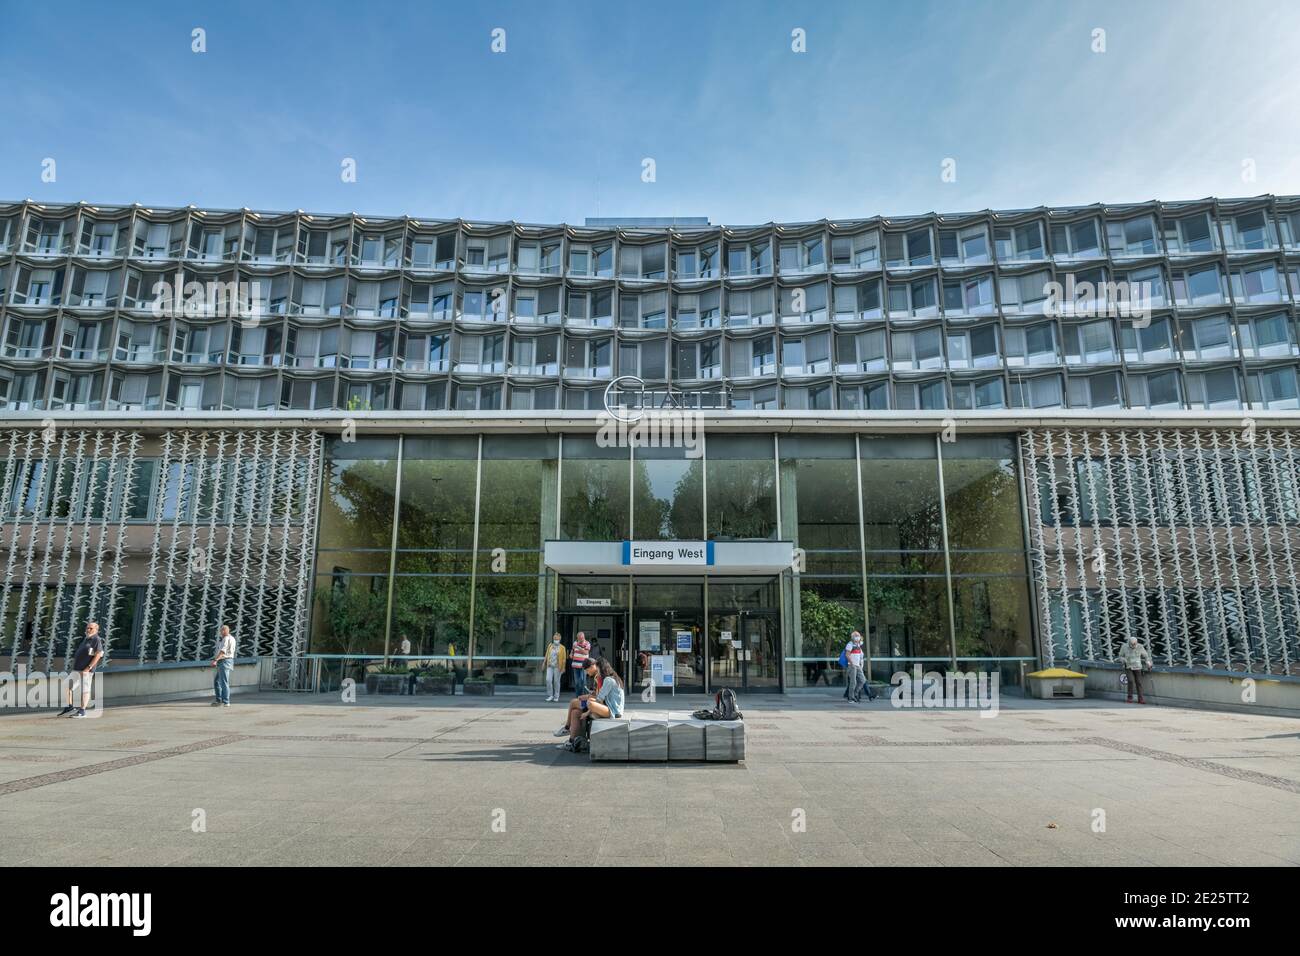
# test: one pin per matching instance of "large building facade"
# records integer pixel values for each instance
(987, 440)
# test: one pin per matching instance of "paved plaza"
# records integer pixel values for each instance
(298, 779)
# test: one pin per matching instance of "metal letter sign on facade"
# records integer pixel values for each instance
(668, 552)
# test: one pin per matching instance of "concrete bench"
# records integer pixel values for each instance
(674, 735)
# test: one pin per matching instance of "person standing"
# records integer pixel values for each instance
(581, 651)
(854, 677)
(1136, 659)
(224, 662)
(553, 666)
(89, 652)
(404, 652)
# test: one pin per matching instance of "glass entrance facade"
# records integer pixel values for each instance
(668, 620)
(439, 541)
(630, 620)
(745, 634)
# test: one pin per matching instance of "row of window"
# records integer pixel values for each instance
(1093, 290)
(988, 345)
(365, 243)
(1271, 387)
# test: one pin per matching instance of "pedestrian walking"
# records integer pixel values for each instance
(854, 677)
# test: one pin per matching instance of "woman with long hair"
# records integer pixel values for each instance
(605, 702)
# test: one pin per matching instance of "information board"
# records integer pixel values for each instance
(662, 670)
(649, 636)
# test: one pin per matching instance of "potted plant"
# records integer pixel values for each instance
(479, 686)
(434, 680)
(387, 679)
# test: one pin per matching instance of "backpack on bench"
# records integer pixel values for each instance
(724, 707)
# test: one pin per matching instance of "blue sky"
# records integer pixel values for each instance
(741, 128)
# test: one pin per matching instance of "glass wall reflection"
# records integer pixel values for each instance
(594, 501)
(667, 495)
(467, 590)
(517, 512)
(741, 483)
(902, 516)
(991, 613)
(432, 587)
(354, 542)
(819, 513)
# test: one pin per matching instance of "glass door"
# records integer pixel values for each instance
(605, 632)
(744, 636)
(667, 622)
(597, 608)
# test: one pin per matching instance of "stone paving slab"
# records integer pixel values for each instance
(303, 780)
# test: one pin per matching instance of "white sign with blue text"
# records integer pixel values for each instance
(667, 553)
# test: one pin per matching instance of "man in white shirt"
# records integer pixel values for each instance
(224, 662)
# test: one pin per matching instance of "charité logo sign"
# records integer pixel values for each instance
(653, 418)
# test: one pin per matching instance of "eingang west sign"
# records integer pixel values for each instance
(667, 553)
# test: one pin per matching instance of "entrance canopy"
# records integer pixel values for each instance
(669, 557)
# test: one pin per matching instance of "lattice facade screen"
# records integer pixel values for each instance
(1189, 539)
(160, 537)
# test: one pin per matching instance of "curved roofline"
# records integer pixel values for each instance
(837, 225)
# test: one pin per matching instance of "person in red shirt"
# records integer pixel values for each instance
(579, 654)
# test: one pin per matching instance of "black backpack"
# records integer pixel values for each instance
(724, 707)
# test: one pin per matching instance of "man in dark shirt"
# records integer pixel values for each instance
(82, 673)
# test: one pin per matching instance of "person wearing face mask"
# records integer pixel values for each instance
(854, 677)
(553, 665)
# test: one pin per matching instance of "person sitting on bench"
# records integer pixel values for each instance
(579, 704)
(606, 702)
(609, 697)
